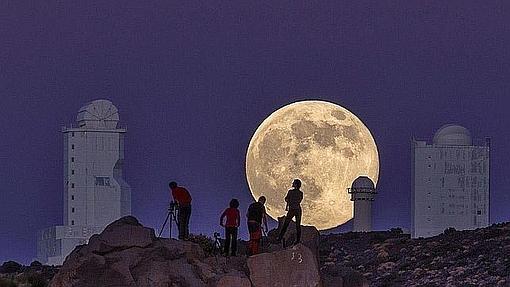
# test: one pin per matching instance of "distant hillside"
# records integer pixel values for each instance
(455, 258)
(13, 274)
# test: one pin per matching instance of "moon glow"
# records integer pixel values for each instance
(321, 143)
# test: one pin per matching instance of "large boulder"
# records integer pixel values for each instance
(233, 280)
(126, 232)
(128, 254)
(295, 266)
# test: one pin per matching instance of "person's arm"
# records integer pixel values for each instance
(222, 216)
(173, 195)
(264, 219)
(287, 201)
(238, 218)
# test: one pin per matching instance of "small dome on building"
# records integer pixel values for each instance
(363, 182)
(98, 114)
(453, 135)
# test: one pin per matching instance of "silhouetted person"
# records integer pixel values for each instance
(231, 227)
(256, 216)
(293, 199)
(183, 199)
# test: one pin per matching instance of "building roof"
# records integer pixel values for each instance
(98, 114)
(363, 182)
(453, 135)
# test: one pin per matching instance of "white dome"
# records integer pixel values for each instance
(453, 135)
(98, 114)
(363, 182)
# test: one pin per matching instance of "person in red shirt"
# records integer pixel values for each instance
(231, 227)
(183, 198)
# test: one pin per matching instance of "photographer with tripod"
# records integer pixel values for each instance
(182, 198)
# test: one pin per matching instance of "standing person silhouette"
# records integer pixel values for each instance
(293, 199)
(231, 227)
(256, 216)
(183, 198)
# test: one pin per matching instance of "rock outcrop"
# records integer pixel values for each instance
(128, 254)
(310, 237)
(296, 266)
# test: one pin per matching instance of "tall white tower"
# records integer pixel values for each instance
(363, 194)
(450, 182)
(95, 193)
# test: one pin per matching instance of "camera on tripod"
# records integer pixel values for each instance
(173, 206)
(173, 210)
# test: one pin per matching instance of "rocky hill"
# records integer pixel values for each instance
(455, 258)
(128, 254)
(13, 274)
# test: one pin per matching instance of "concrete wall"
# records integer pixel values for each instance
(450, 188)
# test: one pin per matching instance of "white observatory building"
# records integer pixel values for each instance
(450, 182)
(363, 194)
(95, 192)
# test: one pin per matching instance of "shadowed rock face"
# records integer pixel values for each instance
(296, 266)
(309, 236)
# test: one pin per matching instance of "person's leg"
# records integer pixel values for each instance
(234, 241)
(188, 216)
(251, 243)
(256, 246)
(255, 235)
(298, 225)
(226, 248)
(286, 223)
(180, 222)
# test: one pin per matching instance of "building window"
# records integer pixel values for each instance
(72, 210)
(72, 222)
(72, 159)
(72, 171)
(72, 146)
(72, 185)
(72, 197)
(72, 134)
(102, 181)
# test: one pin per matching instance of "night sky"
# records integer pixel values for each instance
(193, 81)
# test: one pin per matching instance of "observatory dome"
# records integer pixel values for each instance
(454, 135)
(363, 182)
(98, 114)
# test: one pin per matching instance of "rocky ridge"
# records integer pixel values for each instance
(455, 258)
(128, 254)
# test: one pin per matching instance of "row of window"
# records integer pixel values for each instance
(72, 184)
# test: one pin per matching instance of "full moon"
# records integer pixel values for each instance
(321, 143)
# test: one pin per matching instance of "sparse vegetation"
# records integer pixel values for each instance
(7, 283)
(205, 242)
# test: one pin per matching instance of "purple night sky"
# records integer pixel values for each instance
(193, 81)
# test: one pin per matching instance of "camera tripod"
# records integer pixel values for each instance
(172, 216)
(217, 244)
